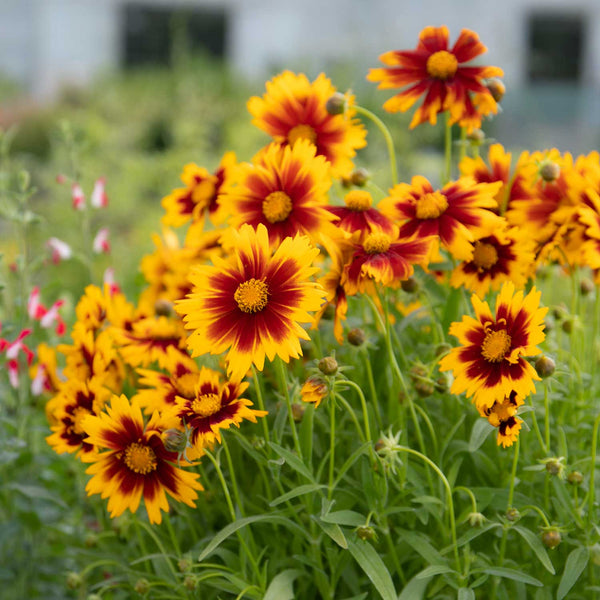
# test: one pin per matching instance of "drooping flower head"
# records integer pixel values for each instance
(285, 190)
(252, 303)
(294, 109)
(503, 416)
(490, 363)
(457, 213)
(438, 72)
(214, 405)
(313, 390)
(132, 462)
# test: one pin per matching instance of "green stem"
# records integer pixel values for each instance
(592, 490)
(462, 488)
(511, 492)
(172, 535)
(547, 417)
(286, 393)
(331, 443)
(447, 174)
(538, 510)
(234, 485)
(160, 546)
(388, 139)
(352, 416)
(372, 390)
(363, 403)
(536, 428)
(261, 405)
(462, 151)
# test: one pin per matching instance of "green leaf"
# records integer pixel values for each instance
(512, 574)
(345, 517)
(334, 531)
(351, 460)
(293, 461)
(281, 587)
(451, 308)
(576, 563)
(433, 570)
(535, 543)
(228, 530)
(414, 589)
(422, 546)
(299, 491)
(305, 433)
(479, 433)
(466, 594)
(471, 535)
(370, 562)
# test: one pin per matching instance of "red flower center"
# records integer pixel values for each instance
(252, 295)
(495, 345)
(140, 458)
(442, 65)
(277, 207)
(485, 255)
(431, 205)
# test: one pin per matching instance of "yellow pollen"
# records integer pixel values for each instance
(252, 295)
(442, 65)
(78, 415)
(206, 405)
(358, 200)
(377, 243)
(277, 207)
(485, 255)
(301, 132)
(431, 205)
(495, 345)
(140, 458)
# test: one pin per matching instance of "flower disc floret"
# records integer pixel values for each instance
(431, 205)
(301, 132)
(277, 207)
(495, 345)
(252, 295)
(484, 255)
(442, 65)
(140, 458)
(377, 243)
(358, 200)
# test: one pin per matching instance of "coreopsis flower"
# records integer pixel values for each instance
(503, 416)
(75, 400)
(251, 304)
(438, 72)
(314, 390)
(77, 197)
(358, 214)
(99, 199)
(490, 363)
(132, 462)
(101, 244)
(385, 259)
(294, 109)
(499, 257)
(200, 196)
(100, 306)
(458, 213)
(285, 190)
(60, 250)
(215, 405)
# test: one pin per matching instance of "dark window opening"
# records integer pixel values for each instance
(153, 35)
(555, 48)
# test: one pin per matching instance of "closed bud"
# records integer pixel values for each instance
(328, 365)
(336, 104)
(91, 540)
(476, 137)
(190, 583)
(560, 312)
(184, 564)
(555, 467)
(441, 383)
(545, 366)
(174, 440)
(512, 514)
(567, 325)
(356, 337)
(442, 349)
(379, 444)
(475, 519)
(142, 586)
(496, 88)
(74, 580)
(549, 171)
(298, 411)
(551, 538)
(365, 532)
(163, 308)
(359, 177)
(410, 285)
(575, 478)
(258, 443)
(424, 388)
(586, 286)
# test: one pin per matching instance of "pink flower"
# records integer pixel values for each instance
(99, 199)
(13, 373)
(46, 316)
(78, 197)
(35, 309)
(109, 279)
(60, 250)
(101, 244)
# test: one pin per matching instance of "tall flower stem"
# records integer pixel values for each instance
(511, 493)
(331, 403)
(363, 404)
(372, 389)
(388, 139)
(447, 173)
(261, 404)
(592, 492)
(283, 386)
(536, 428)
(546, 418)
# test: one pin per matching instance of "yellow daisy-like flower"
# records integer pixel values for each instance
(294, 109)
(252, 303)
(132, 463)
(314, 390)
(503, 415)
(285, 190)
(214, 406)
(490, 363)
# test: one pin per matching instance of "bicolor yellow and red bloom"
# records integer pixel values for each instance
(100, 306)
(385, 259)
(437, 71)
(132, 462)
(285, 190)
(294, 109)
(503, 416)
(252, 303)
(358, 214)
(214, 405)
(457, 214)
(490, 363)
(314, 390)
(499, 257)
(200, 195)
